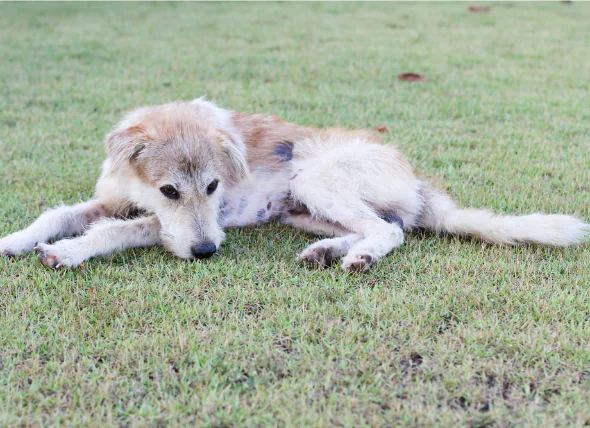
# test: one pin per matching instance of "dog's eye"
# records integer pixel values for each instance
(212, 186)
(170, 192)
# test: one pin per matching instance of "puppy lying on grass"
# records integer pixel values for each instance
(179, 173)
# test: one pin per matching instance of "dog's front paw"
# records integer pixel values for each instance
(56, 256)
(16, 244)
(357, 263)
(316, 256)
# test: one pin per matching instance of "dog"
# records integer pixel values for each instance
(178, 174)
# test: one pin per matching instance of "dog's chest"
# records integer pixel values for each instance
(261, 199)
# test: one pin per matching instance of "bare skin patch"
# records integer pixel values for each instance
(243, 205)
(224, 211)
(392, 217)
(95, 214)
(284, 151)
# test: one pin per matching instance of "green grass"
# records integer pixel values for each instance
(444, 331)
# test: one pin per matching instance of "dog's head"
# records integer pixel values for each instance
(179, 157)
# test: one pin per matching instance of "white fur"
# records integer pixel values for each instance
(103, 238)
(442, 215)
(217, 116)
(340, 184)
(178, 228)
(59, 222)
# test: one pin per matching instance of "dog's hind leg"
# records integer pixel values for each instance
(367, 188)
(326, 251)
(60, 222)
(102, 238)
(309, 224)
(380, 238)
(371, 236)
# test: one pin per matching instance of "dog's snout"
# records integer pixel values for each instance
(203, 250)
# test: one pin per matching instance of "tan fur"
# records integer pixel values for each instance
(262, 133)
(192, 169)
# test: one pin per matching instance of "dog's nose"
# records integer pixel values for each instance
(203, 250)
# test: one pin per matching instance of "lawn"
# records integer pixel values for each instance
(444, 331)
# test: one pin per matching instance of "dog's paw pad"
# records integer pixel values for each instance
(360, 263)
(316, 257)
(48, 256)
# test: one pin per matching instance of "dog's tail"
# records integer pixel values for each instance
(442, 215)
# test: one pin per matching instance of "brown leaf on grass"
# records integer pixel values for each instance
(479, 9)
(411, 77)
(381, 128)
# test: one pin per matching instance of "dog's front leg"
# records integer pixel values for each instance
(101, 239)
(60, 222)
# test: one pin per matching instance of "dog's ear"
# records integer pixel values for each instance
(234, 153)
(125, 144)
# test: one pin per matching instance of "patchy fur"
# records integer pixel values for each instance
(192, 169)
